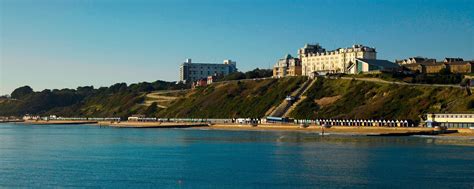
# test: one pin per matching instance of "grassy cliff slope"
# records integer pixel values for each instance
(367, 100)
(250, 98)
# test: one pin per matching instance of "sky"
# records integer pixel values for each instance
(52, 44)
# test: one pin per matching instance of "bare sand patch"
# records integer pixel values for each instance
(327, 100)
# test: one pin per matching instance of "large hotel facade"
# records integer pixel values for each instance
(314, 58)
(190, 72)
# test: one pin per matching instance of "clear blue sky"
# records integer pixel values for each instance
(70, 43)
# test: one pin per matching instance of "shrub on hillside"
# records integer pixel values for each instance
(470, 105)
(21, 92)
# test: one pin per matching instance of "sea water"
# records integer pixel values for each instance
(51, 156)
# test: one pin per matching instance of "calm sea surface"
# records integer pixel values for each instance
(90, 156)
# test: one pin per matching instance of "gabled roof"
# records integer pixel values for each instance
(380, 63)
(447, 59)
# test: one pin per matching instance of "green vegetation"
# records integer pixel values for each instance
(470, 105)
(256, 73)
(327, 98)
(21, 92)
(233, 99)
(117, 100)
(367, 100)
(444, 77)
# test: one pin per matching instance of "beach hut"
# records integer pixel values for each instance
(405, 123)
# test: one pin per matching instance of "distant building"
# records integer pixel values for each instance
(136, 117)
(190, 72)
(450, 120)
(314, 58)
(211, 79)
(453, 60)
(461, 67)
(454, 65)
(415, 60)
(287, 66)
(415, 68)
(371, 65)
(200, 83)
(31, 117)
(435, 67)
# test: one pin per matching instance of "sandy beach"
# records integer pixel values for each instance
(57, 122)
(134, 124)
(351, 130)
(338, 129)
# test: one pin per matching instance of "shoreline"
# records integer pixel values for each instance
(347, 130)
(335, 130)
(133, 124)
(56, 122)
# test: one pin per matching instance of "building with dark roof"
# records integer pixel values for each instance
(453, 59)
(371, 65)
(415, 60)
(462, 67)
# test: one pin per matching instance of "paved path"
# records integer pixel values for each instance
(161, 97)
(378, 80)
(284, 107)
(299, 99)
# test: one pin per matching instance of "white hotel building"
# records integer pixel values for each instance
(314, 58)
(189, 71)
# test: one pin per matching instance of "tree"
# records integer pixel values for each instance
(445, 71)
(21, 92)
(258, 73)
(470, 104)
(117, 87)
(151, 110)
(233, 76)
